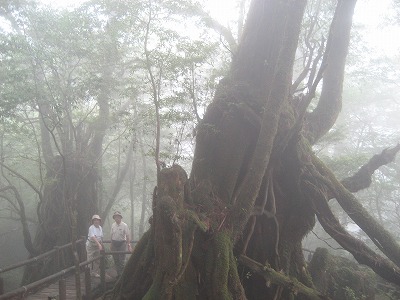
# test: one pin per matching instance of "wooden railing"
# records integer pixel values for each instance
(60, 275)
(57, 253)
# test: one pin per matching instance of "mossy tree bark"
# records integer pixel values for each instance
(233, 230)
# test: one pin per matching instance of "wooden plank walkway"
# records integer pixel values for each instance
(51, 291)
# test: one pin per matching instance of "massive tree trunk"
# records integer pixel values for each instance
(233, 229)
(69, 200)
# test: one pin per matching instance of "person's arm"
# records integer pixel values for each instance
(92, 236)
(97, 242)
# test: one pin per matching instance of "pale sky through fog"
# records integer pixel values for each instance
(378, 34)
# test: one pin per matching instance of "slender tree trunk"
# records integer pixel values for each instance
(133, 173)
(144, 188)
(132, 197)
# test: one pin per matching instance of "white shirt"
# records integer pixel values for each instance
(95, 232)
(120, 232)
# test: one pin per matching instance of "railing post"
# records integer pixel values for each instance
(57, 259)
(62, 289)
(88, 283)
(1, 286)
(82, 248)
(103, 269)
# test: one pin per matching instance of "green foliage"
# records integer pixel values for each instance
(14, 75)
(349, 294)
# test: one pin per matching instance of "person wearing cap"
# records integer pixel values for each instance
(94, 244)
(120, 239)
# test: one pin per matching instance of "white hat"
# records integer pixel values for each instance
(96, 217)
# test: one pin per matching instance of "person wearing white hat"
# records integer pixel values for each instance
(94, 244)
(120, 239)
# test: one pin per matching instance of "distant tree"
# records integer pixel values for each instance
(63, 71)
(233, 229)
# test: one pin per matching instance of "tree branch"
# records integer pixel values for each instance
(25, 227)
(361, 252)
(378, 234)
(310, 62)
(362, 178)
(272, 276)
(120, 179)
(155, 90)
(325, 114)
(218, 27)
(23, 179)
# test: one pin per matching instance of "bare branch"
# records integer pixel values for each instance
(23, 178)
(25, 227)
(192, 92)
(218, 27)
(120, 178)
(362, 178)
(8, 199)
(310, 60)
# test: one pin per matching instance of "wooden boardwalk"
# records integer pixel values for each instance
(49, 287)
(52, 292)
